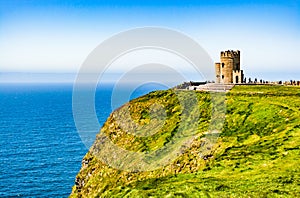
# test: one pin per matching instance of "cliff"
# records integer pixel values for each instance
(256, 154)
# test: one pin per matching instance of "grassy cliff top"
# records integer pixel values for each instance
(256, 154)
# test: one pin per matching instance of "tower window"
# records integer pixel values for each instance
(223, 65)
(222, 76)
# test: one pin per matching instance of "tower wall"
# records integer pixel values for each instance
(226, 70)
(218, 72)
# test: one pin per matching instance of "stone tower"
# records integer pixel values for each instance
(228, 70)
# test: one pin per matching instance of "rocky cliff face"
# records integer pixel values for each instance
(255, 155)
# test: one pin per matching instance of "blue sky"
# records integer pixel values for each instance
(54, 36)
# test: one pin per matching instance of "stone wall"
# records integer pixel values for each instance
(238, 76)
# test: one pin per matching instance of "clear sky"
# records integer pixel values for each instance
(54, 36)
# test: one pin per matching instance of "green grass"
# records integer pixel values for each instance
(256, 155)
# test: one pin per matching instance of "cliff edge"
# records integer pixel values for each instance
(256, 153)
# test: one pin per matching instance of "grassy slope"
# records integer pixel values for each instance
(256, 154)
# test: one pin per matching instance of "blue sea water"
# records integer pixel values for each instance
(40, 148)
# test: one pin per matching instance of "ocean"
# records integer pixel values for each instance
(40, 148)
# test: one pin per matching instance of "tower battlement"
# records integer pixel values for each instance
(230, 54)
